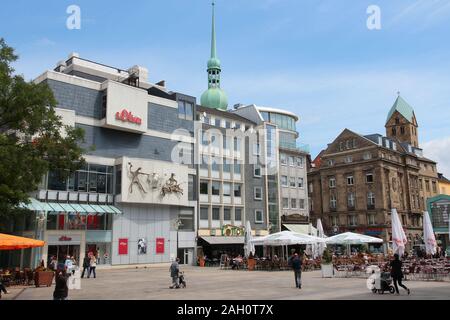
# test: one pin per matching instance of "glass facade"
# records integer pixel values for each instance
(282, 121)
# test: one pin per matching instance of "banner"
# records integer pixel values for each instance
(159, 245)
(123, 246)
(142, 246)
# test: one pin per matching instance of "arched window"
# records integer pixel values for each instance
(394, 131)
(397, 120)
(402, 130)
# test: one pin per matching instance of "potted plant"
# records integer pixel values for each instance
(43, 277)
(251, 262)
(327, 264)
(201, 261)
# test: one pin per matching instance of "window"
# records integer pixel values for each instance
(237, 190)
(217, 122)
(369, 177)
(370, 200)
(394, 131)
(332, 182)
(350, 180)
(237, 167)
(91, 178)
(434, 186)
(291, 161)
(216, 214)
(227, 214)
(215, 188)
(258, 193)
(427, 185)
(352, 220)
(348, 159)
(192, 188)
(204, 163)
(300, 182)
(334, 221)
(310, 187)
(203, 213)
(225, 142)
(185, 110)
(237, 144)
(351, 200)
(371, 220)
(283, 159)
(299, 161)
(257, 170)
(284, 181)
(203, 187)
(293, 203)
(301, 204)
(292, 182)
(397, 120)
(285, 203)
(237, 214)
(333, 201)
(330, 162)
(402, 130)
(215, 166)
(367, 156)
(256, 149)
(227, 124)
(259, 216)
(226, 165)
(226, 189)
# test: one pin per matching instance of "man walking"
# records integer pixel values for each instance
(86, 264)
(296, 263)
(174, 270)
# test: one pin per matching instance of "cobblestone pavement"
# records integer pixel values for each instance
(215, 284)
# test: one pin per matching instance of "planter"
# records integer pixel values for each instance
(202, 262)
(251, 263)
(43, 278)
(327, 270)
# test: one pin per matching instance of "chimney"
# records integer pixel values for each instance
(162, 83)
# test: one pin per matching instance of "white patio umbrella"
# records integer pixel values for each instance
(349, 238)
(249, 245)
(319, 247)
(285, 238)
(399, 239)
(428, 234)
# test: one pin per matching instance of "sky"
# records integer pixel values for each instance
(316, 58)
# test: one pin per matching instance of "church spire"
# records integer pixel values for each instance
(214, 97)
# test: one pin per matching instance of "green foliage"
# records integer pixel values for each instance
(32, 137)
(326, 256)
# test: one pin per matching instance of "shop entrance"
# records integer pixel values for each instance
(62, 251)
(101, 252)
(186, 256)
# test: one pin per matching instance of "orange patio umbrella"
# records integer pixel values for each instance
(9, 242)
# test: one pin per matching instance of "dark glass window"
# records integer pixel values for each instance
(203, 187)
(57, 181)
(215, 188)
(237, 190)
(191, 188)
(227, 214)
(203, 213)
(216, 214)
(238, 214)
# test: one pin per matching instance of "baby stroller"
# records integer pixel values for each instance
(181, 280)
(383, 283)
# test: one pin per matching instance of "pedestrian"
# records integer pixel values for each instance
(61, 291)
(53, 263)
(69, 265)
(296, 263)
(397, 274)
(92, 266)
(3, 288)
(86, 265)
(174, 273)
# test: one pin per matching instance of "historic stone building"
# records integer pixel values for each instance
(356, 181)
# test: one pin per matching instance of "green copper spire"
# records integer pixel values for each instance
(214, 97)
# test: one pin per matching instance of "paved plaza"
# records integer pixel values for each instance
(216, 284)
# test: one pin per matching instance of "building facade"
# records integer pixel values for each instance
(357, 180)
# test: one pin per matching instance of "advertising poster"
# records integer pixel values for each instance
(142, 246)
(123, 246)
(159, 245)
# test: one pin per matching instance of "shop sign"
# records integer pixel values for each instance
(58, 239)
(123, 246)
(370, 231)
(229, 230)
(127, 116)
(159, 245)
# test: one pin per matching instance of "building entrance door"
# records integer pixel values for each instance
(62, 251)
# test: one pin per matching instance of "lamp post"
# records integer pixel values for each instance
(40, 220)
(177, 225)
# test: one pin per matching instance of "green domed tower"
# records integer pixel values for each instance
(214, 97)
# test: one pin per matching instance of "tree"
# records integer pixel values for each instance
(33, 138)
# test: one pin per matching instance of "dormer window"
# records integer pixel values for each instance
(397, 120)
(402, 130)
(394, 131)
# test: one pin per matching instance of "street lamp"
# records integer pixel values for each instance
(40, 220)
(177, 225)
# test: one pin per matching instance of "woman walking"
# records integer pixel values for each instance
(397, 274)
(92, 266)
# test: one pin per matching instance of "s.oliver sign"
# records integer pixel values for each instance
(160, 245)
(127, 116)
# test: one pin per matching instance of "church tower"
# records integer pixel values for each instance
(401, 123)
(214, 97)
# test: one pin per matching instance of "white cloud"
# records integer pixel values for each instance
(439, 151)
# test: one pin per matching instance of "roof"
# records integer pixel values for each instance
(276, 110)
(403, 108)
(224, 114)
(442, 178)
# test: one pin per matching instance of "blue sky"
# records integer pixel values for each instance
(316, 58)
